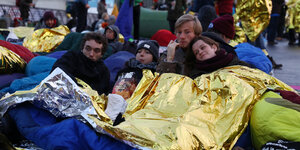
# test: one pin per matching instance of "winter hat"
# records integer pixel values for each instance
(48, 15)
(152, 46)
(224, 24)
(163, 37)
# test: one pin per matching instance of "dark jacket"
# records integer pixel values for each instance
(276, 6)
(135, 66)
(76, 64)
(175, 12)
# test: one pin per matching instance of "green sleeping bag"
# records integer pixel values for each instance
(274, 118)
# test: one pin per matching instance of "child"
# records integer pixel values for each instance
(205, 56)
(111, 33)
(128, 78)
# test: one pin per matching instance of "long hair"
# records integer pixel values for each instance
(190, 58)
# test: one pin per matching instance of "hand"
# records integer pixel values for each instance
(171, 50)
(87, 6)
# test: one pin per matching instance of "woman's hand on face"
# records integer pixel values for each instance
(171, 50)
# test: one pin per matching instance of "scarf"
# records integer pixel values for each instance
(133, 63)
(222, 59)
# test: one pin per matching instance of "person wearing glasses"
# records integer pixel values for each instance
(87, 64)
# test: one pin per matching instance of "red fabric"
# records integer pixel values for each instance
(225, 25)
(22, 51)
(225, 6)
(289, 95)
(163, 37)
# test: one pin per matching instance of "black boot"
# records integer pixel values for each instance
(274, 64)
(292, 37)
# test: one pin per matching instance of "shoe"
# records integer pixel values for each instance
(274, 64)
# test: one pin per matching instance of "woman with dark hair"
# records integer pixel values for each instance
(205, 56)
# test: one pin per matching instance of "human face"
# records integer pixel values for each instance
(203, 51)
(50, 22)
(185, 33)
(109, 34)
(144, 56)
(92, 50)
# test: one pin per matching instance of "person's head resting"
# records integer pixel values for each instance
(147, 52)
(202, 48)
(224, 26)
(111, 33)
(187, 27)
(49, 19)
(93, 45)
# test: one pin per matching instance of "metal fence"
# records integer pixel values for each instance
(37, 13)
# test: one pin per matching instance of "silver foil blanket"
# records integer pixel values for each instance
(57, 93)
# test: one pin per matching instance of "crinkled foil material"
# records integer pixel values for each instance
(176, 112)
(57, 93)
(62, 97)
(240, 35)
(10, 62)
(22, 32)
(293, 15)
(15, 99)
(254, 16)
(46, 40)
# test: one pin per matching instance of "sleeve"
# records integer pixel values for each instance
(166, 67)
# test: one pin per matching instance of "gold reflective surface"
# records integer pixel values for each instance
(22, 32)
(293, 18)
(46, 40)
(172, 111)
(10, 62)
(254, 16)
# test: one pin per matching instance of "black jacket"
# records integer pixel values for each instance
(76, 64)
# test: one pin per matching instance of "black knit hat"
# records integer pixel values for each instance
(152, 46)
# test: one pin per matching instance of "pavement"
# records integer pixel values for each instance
(289, 57)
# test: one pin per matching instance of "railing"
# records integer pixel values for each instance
(37, 13)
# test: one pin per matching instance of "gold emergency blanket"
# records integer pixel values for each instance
(22, 32)
(172, 111)
(254, 16)
(240, 36)
(294, 15)
(46, 40)
(10, 62)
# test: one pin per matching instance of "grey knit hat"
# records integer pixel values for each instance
(152, 46)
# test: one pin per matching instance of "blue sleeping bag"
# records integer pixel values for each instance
(116, 62)
(36, 70)
(254, 56)
(41, 127)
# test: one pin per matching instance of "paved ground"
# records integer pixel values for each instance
(289, 57)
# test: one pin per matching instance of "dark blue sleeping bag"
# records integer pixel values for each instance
(41, 127)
